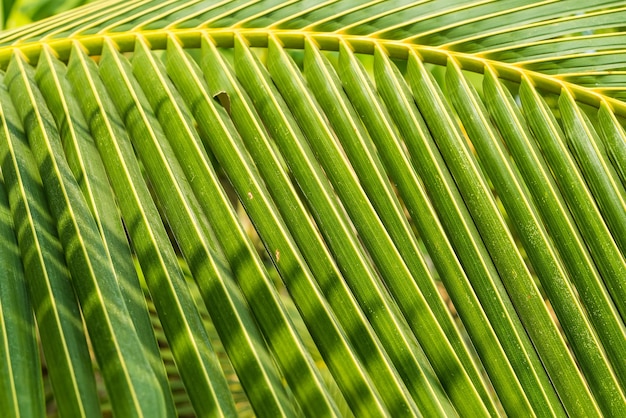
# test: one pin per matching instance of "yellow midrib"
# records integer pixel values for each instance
(190, 38)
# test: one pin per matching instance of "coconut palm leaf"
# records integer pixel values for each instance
(274, 208)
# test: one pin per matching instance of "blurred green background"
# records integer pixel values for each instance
(21, 12)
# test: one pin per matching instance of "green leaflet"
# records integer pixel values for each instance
(21, 389)
(462, 231)
(355, 143)
(385, 255)
(349, 258)
(378, 121)
(596, 234)
(558, 221)
(612, 135)
(48, 279)
(595, 167)
(499, 242)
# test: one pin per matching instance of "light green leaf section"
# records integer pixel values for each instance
(289, 351)
(354, 141)
(341, 242)
(387, 139)
(595, 167)
(384, 254)
(298, 156)
(558, 221)
(614, 139)
(356, 384)
(464, 235)
(541, 253)
(357, 273)
(592, 226)
(506, 256)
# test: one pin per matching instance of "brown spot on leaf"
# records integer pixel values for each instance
(223, 99)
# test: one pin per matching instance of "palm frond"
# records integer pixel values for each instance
(386, 208)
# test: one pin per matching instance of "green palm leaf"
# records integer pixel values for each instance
(314, 208)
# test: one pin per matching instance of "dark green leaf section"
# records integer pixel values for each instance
(182, 324)
(21, 389)
(56, 310)
(87, 167)
(132, 388)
